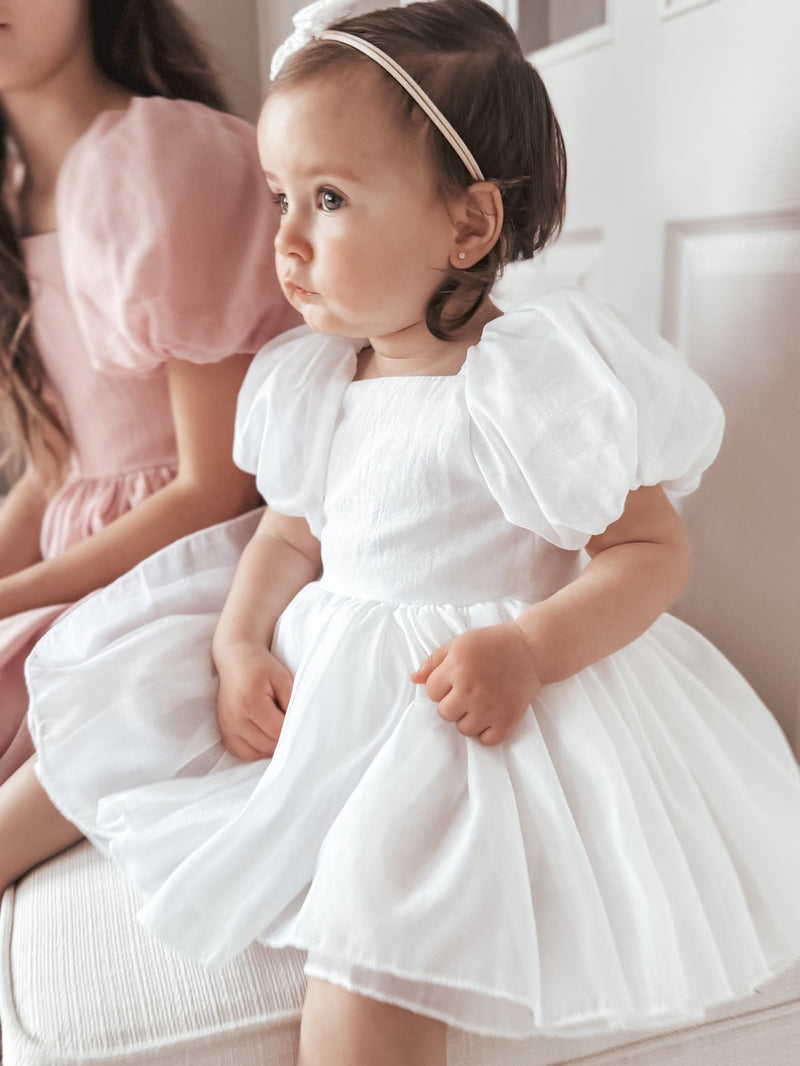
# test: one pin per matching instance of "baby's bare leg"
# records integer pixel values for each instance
(340, 1028)
(31, 828)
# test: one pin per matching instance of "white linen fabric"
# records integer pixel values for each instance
(627, 859)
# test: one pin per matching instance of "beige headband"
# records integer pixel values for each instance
(414, 91)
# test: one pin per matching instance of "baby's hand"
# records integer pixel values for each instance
(483, 681)
(254, 691)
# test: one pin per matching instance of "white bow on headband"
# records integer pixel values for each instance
(312, 20)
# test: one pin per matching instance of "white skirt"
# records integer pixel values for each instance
(628, 859)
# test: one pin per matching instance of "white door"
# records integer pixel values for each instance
(682, 124)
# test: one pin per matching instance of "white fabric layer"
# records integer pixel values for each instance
(628, 858)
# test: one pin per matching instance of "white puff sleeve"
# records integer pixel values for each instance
(286, 414)
(571, 410)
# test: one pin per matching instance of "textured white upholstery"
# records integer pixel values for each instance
(81, 983)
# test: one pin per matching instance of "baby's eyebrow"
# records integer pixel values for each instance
(321, 174)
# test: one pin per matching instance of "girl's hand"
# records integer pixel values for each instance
(483, 681)
(254, 691)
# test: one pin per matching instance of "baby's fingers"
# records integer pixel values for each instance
(242, 749)
(436, 681)
(494, 735)
(266, 726)
(254, 737)
(282, 682)
(421, 675)
(451, 709)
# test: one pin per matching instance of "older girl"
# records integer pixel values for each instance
(135, 278)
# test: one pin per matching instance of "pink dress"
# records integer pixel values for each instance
(164, 249)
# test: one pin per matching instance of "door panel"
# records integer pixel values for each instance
(683, 139)
(734, 308)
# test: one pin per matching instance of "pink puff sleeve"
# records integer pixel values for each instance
(166, 229)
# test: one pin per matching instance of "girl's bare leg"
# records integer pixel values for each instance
(340, 1028)
(31, 828)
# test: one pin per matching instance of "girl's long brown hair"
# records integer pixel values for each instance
(147, 47)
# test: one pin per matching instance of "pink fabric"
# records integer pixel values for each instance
(84, 505)
(164, 249)
(187, 272)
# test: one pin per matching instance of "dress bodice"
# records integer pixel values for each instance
(484, 485)
(408, 516)
(103, 409)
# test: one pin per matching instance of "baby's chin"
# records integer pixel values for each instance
(321, 322)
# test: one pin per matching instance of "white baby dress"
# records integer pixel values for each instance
(627, 859)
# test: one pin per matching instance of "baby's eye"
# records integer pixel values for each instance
(280, 201)
(329, 200)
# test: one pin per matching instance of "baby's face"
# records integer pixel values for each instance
(365, 234)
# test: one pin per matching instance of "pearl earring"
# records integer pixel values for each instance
(462, 255)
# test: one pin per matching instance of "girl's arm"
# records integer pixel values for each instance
(208, 488)
(484, 680)
(255, 687)
(21, 514)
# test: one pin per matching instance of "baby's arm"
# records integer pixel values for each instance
(484, 680)
(254, 689)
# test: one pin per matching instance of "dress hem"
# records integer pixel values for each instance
(599, 1023)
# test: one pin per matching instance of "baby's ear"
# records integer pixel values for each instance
(477, 216)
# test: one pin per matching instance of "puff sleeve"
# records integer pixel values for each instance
(286, 415)
(166, 230)
(571, 410)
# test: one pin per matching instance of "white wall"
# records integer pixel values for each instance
(241, 36)
(275, 25)
(231, 33)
